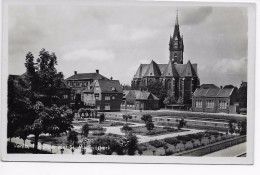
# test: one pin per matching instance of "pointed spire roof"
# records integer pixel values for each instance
(153, 70)
(170, 70)
(189, 71)
(177, 21)
(176, 32)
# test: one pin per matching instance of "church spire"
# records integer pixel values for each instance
(177, 21)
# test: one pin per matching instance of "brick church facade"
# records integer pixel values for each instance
(180, 80)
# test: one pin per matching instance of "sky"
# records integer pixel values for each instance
(116, 39)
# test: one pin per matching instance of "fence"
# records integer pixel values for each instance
(214, 147)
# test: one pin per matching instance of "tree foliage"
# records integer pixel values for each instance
(242, 95)
(85, 130)
(158, 90)
(32, 99)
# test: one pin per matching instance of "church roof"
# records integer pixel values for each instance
(162, 67)
(170, 70)
(188, 71)
(153, 70)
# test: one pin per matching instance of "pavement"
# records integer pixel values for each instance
(232, 151)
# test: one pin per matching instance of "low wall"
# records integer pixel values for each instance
(213, 147)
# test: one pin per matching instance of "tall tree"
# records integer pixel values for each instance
(158, 90)
(242, 95)
(32, 99)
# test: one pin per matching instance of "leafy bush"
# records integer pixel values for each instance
(171, 140)
(95, 128)
(157, 143)
(127, 128)
(168, 153)
(116, 124)
(98, 133)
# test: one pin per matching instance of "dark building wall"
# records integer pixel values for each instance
(114, 103)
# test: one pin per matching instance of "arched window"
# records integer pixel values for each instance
(168, 85)
(175, 57)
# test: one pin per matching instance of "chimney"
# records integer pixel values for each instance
(111, 78)
(75, 72)
(97, 71)
(221, 87)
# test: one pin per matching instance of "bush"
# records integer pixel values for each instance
(171, 140)
(100, 133)
(168, 153)
(157, 143)
(126, 128)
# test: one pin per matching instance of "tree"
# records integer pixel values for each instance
(181, 123)
(242, 95)
(232, 125)
(243, 127)
(85, 130)
(126, 117)
(101, 118)
(158, 90)
(35, 94)
(132, 144)
(149, 125)
(73, 137)
(146, 118)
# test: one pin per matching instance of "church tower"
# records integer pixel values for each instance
(176, 46)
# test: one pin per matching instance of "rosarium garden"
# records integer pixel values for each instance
(38, 123)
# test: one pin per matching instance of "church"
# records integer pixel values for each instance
(180, 80)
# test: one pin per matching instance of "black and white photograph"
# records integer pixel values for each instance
(134, 82)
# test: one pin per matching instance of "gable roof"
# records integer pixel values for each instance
(170, 70)
(140, 95)
(153, 70)
(188, 71)
(110, 86)
(207, 86)
(212, 92)
(83, 76)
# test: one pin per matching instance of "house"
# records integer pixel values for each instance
(180, 80)
(213, 99)
(80, 81)
(139, 100)
(104, 94)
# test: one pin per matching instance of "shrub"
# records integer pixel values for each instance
(157, 143)
(126, 128)
(100, 133)
(171, 140)
(168, 153)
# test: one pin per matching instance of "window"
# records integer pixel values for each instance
(98, 107)
(175, 57)
(107, 106)
(97, 96)
(210, 104)
(107, 97)
(198, 103)
(65, 96)
(113, 97)
(97, 88)
(222, 104)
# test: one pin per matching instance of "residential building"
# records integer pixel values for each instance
(213, 99)
(139, 100)
(104, 94)
(180, 80)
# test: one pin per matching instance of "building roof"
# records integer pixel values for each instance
(207, 86)
(83, 76)
(170, 70)
(188, 71)
(140, 95)
(212, 92)
(182, 69)
(153, 70)
(110, 86)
